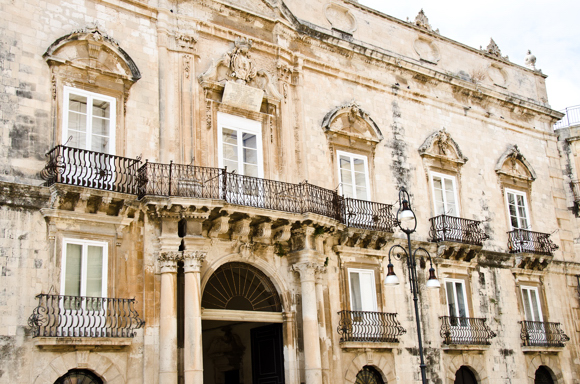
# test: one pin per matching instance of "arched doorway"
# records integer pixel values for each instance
(242, 327)
(464, 376)
(543, 375)
(369, 375)
(79, 376)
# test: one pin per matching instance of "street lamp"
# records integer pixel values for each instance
(407, 222)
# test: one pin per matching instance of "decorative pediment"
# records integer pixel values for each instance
(514, 165)
(237, 66)
(90, 48)
(350, 121)
(440, 145)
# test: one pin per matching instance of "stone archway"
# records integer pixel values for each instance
(551, 362)
(475, 363)
(383, 364)
(95, 362)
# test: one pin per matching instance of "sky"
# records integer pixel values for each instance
(550, 30)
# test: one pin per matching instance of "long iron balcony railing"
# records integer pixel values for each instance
(524, 241)
(79, 316)
(571, 118)
(542, 334)
(113, 173)
(456, 229)
(364, 326)
(465, 331)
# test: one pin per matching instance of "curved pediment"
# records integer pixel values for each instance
(441, 145)
(350, 120)
(513, 164)
(90, 48)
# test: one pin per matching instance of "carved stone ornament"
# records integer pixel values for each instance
(168, 260)
(494, 50)
(514, 165)
(352, 121)
(498, 75)
(186, 40)
(94, 50)
(422, 21)
(340, 17)
(440, 145)
(192, 260)
(238, 66)
(530, 60)
(427, 50)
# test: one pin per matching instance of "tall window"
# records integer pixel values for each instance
(444, 194)
(456, 298)
(89, 119)
(531, 301)
(240, 145)
(354, 176)
(517, 209)
(362, 290)
(84, 268)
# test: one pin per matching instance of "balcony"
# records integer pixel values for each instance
(524, 241)
(542, 334)
(571, 118)
(90, 169)
(456, 229)
(78, 316)
(376, 327)
(465, 331)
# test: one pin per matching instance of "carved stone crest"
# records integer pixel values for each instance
(440, 145)
(512, 163)
(422, 21)
(351, 120)
(239, 60)
(494, 50)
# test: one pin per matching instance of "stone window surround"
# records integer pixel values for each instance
(353, 264)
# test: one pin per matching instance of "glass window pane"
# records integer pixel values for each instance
(347, 190)
(451, 299)
(250, 140)
(77, 103)
(101, 126)
(527, 307)
(361, 193)
(439, 207)
(72, 280)
(77, 122)
(100, 144)
(511, 198)
(250, 156)
(535, 305)
(101, 108)
(231, 165)
(355, 294)
(251, 170)
(230, 136)
(448, 185)
(462, 308)
(437, 183)
(94, 271)
(78, 140)
(344, 162)
(230, 152)
(345, 176)
(359, 165)
(360, 179)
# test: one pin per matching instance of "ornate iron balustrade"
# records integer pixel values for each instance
(369, 326)
(521, 240)
(465, 331)
(457, 229)
(369, 215)
(542, 334)
(90, 169)
(78, 316)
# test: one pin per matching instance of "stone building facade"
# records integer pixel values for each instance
(206, 191)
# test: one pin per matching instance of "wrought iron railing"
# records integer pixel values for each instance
(542, 334)
(101, 171)
(79, 316)
(457, 229)
(572, 117)
(369, 327)
(521, 240)
(90, 169)
(465, 331)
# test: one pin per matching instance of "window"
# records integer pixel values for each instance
(89, 119)
(456, 298)
(517, 209)
(531, 301)
(362, 290)
(444, 194)
(354, 175)
(84, 268)
(240, 145)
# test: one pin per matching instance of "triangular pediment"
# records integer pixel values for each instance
(441, 145)
(513, 164)
(350, 120)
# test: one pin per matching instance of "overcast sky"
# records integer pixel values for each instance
(550, 30)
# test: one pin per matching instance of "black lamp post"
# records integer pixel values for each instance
(407, 222)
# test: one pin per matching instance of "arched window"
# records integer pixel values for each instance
(464, 376)
(239, 286)
(79, 376)
(543, 376)
(368, 375)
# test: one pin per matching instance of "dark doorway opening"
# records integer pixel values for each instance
(465, 376)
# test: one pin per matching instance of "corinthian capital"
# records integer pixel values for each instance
(192, 260)
(307, 270)
(168, 260)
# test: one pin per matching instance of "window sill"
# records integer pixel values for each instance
(82, 343)
(464, 347)
(540, 348)
(368, 344)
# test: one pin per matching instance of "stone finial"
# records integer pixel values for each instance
(493, 49)
(530, 60)
(422, 21)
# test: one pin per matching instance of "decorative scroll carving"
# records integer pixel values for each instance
(513, 164)
(185, 41)
(282, 233)
(241, 229)
(186, 66)
(219, 226)
(440, 145)
(264, 232)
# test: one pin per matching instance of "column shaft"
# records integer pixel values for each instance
(193, 347)
(168, 325)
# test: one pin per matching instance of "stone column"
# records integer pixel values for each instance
(193, 354)
(312, 362)
(320, 283)
(168, 317)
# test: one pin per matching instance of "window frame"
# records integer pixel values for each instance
(524, 194)
(372, 288)
(453, 179)
(353, 156)
(241, 125)
(67, 91)
(465, 298)
(538, 302)
(85, 243)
